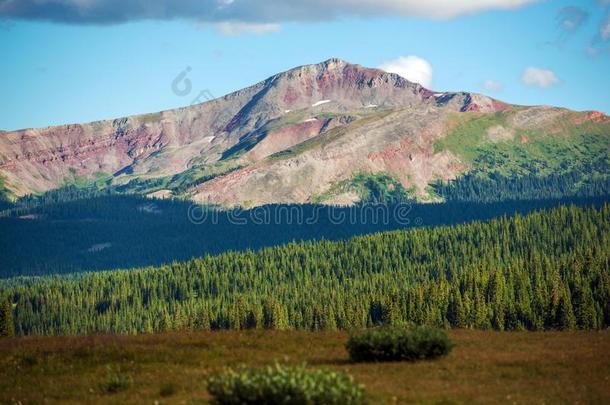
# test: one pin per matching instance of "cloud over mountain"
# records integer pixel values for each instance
(492, 85)
(412, 68)
(537, 77)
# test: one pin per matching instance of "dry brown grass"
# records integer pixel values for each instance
(484, 367)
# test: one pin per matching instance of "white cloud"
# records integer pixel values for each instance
(420, 8)
(240, 28)
(492, 85)
(537, 77)
(246, 11)
(412, 68)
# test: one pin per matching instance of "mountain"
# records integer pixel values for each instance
(319, 133)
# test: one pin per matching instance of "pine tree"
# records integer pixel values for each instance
(565, 314)
(273, 317)
(7, 326)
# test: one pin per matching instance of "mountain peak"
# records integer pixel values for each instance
(333, 62)
(329, 65)
(365, 120)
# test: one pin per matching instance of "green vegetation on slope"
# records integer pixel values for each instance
(490, 144)
(549, 269)
(179, 183)
(5, 196)
(102, 183)
(489, 187)
(370, 187)
(468, 134)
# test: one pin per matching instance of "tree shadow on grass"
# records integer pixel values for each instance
(329, 361)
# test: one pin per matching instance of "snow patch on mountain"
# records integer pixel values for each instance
(320, 103)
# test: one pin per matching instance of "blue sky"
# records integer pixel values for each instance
(55, 72)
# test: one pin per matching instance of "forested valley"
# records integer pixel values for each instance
(549, 269)
(73, 230)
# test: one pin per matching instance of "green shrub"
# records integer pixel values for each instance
(167, 390)
(29, 359)
(115, 381)
(398, 344)
(280, 384)
(7, 325)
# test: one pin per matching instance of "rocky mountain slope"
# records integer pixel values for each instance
(310, 134)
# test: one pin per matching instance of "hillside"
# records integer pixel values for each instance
(314, 134)
(546, 270)
(120, 231)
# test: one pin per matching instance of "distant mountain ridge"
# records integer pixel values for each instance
(316, 133)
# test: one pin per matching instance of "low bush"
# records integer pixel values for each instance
(115, 381)
(398, 344)
(280, 384)
(167, 390)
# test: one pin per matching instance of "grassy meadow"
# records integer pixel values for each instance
(170, 368)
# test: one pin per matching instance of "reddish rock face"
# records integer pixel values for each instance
(42, 158)
(286, 137)
(472, 107)
(500, 105)
(596, 116)
(401, 151)
(589, 117)
(290, 96)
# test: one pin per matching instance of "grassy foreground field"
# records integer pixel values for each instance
(484, 367)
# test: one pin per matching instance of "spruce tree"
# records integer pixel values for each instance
(7, 326)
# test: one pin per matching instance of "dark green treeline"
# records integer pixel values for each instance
(546, 270)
